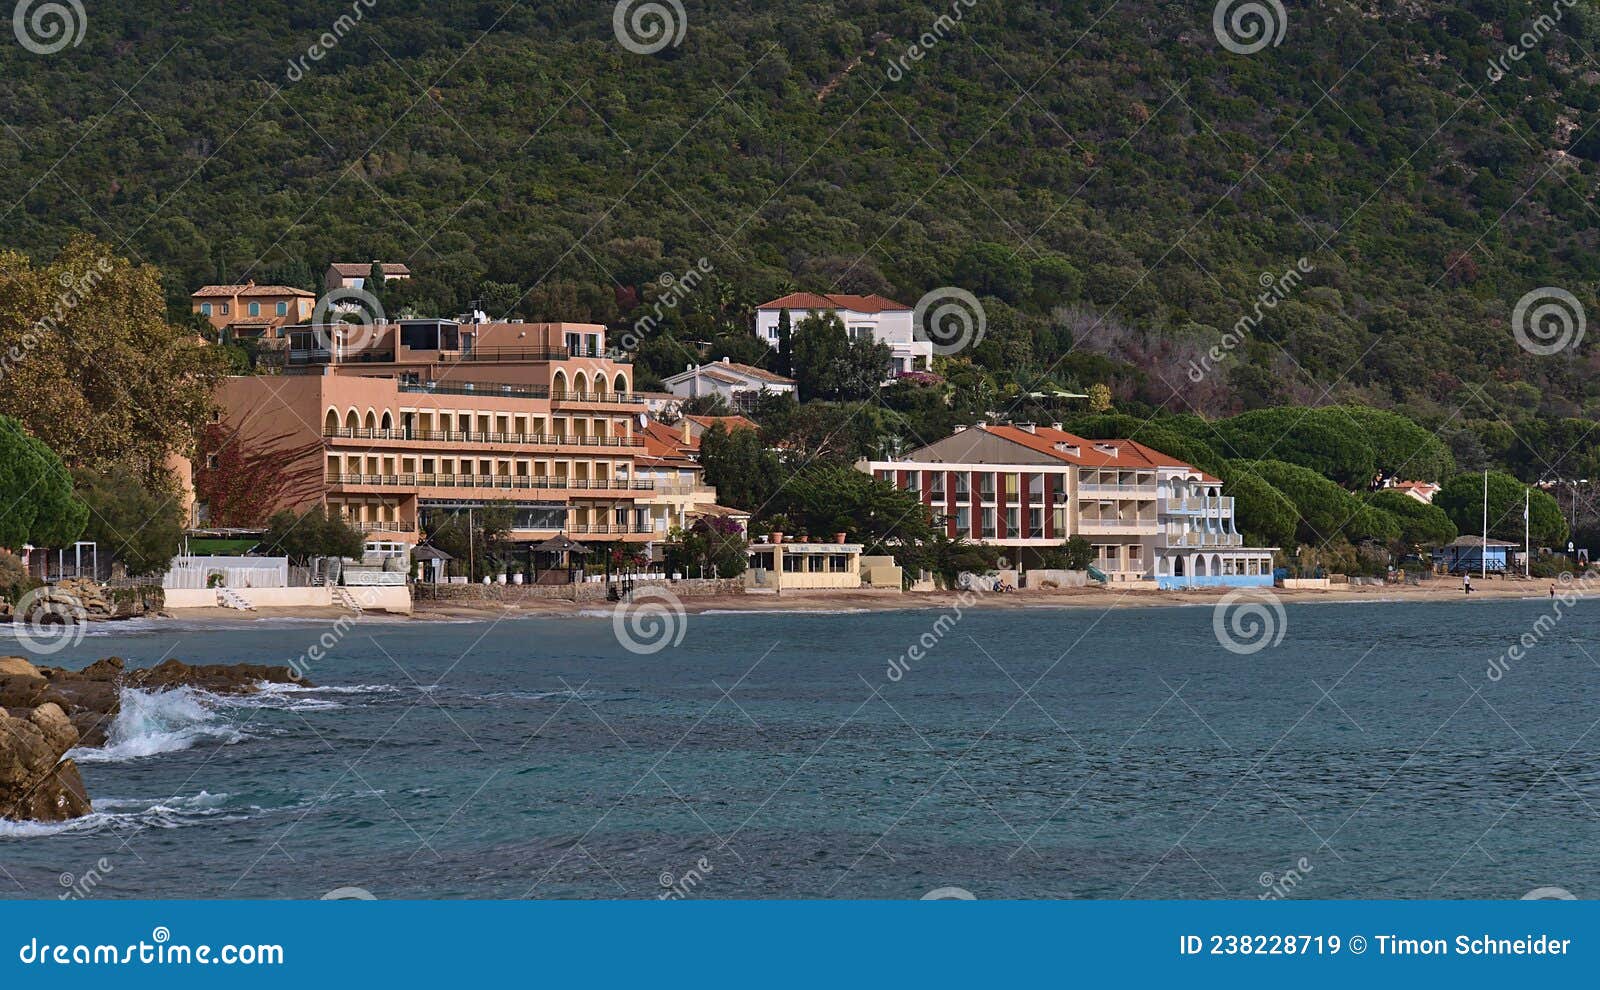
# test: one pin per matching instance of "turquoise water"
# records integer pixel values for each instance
(771, 755)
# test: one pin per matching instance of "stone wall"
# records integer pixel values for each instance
(587, 592)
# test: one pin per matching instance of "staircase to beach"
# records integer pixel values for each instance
(342, 596)
(230, 598)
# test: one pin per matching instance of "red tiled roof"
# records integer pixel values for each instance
(833, 300)
(360, 269)
(250, 289)
(1091, 453)
(729, 423)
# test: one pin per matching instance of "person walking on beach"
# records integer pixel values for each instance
(1466, 584)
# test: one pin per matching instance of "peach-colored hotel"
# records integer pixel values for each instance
(409, 418)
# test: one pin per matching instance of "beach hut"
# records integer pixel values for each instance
(558, 560)
(430, 561)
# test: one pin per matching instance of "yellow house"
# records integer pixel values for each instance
(780, 567)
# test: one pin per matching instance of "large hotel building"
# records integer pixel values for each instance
(1026, 489)
(393, 423)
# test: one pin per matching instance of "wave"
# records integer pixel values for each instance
(153, 722)
(142, 813)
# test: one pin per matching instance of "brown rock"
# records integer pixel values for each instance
(59, 797)
(45, 711)
(34, 782)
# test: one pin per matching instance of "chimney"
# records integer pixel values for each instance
(1028, 427)
(727, 360)
(1057, 427)
(687, 439)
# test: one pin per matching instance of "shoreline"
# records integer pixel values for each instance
(862, 601)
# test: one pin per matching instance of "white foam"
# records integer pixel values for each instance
(153, 722)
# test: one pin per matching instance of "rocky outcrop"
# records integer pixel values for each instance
(37, 782)
(46, 711)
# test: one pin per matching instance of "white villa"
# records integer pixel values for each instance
(737, 383)
(875, 317)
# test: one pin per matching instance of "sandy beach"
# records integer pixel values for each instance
(885, 601)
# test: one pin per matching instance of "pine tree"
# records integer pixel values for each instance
(785, 362)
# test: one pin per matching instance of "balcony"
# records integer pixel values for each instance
(300, 357)
(1117, 525)
(567, 395)
(399, 526)
(603, 529)
(476, 388)
(1198, 505)
(1203, 540)
(1122, 491)
(501, 481)
(469, 436)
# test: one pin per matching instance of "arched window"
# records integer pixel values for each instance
(622, 384)
(372, 420)
(558, 384)
(330, 425)
(352, 420)
(388, 421)
(580, 383)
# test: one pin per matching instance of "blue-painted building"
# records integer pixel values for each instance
(1470, 554)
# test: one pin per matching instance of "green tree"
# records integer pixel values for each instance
(314, 533)
(827, 499)
(1403, 450)
(783, 364)
(1263, 514)
(1331, 445)
(1077, 553)
(1420, 524)
(137, 521)
(91, 365)
(1324, 512)
(1461, 498)
(741, 468)
(37, 503)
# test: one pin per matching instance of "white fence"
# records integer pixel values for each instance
(194, 573)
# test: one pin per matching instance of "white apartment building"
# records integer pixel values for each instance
(865, 317)
(1027, 489)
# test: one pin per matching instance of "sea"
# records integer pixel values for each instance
(1246, 751)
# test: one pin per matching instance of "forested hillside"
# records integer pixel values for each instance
(1112, 182)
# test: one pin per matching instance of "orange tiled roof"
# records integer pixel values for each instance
(250, 289)
(833, 300)
(360, 269)
(729, 423)
(1091, 453)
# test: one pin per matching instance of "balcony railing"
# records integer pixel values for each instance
(469, 436)
(300, 356)
(384, 527)
(589, 529)
(492, 354)
(476, 388)
(1204, 540)
(487, 481)
(567, 395)
(1145, 491)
